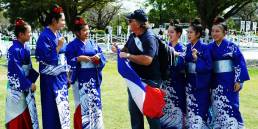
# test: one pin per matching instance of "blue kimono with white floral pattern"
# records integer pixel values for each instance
(175, 109)
(225, 101)
(198, 86)
(86, 78)
(53, 81)
(20, 77)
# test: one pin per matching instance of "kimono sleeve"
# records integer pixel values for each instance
(204, 60)
(45, 50)
(71, 56)
(33, 75)
(241, 72)
(103, 59)
(16, 74)
(180, 60)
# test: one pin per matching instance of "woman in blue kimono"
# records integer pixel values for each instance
(52, 67)
(230, 72)
(175, 109)
(20, 108)
(199, 66)
(86, 62)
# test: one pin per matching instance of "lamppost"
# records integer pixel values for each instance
(119, 27)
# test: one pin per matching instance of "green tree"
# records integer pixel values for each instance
(231, 24)
(165, 10)
(100, 16)
(249, 12)
(32, 10)
(209, 9)
(119, 20)
(4, 23)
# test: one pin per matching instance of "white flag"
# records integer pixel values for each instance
(248, 25)
(254, 26)
(242, 27)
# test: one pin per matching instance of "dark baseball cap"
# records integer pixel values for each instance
(138, 15)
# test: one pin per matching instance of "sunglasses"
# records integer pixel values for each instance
(131, 20)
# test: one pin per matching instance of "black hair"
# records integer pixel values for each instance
(78, 24)
(176, 25)
(55, 12)
(220, 21)
(20, 26)
(197, 27)
(160, 32)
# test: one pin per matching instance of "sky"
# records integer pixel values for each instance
(131, 5)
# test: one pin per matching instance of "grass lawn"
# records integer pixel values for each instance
(114, 98)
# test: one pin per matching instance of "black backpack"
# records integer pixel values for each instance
(166, 58)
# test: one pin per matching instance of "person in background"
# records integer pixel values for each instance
(86, 61)
(161, 35)
(53, 72)
(175, 108)
(21, 111)
(198, 75)
(230, 72)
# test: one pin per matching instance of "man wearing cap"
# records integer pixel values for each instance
(141, 49)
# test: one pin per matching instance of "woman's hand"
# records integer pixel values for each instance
(237, 87)
(60, 44)
(69, 83)
(33, 87)
(194, 54)
(83, 58)
(95, 59)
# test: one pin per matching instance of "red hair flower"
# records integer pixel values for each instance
(19, 22)
(79, 21)
(57, 10)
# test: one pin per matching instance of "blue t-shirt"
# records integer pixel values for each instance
(145, 44)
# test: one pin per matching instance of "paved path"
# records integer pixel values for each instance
(250, 53)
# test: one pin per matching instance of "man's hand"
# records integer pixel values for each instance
(124, 55)
(114, 48)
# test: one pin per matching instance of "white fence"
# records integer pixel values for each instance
(105, 41)
(245, 41)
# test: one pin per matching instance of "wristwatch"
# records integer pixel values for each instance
(127, 55)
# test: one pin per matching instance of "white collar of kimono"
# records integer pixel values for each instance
(85, 41)
(192, 46)
(23, 44)
(218, 44)
(52, 31)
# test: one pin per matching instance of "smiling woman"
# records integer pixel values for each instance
(86, 61)
(20, 101)
(230, 72)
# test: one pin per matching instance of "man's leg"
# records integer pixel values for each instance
(135, 114)
(154, 123)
